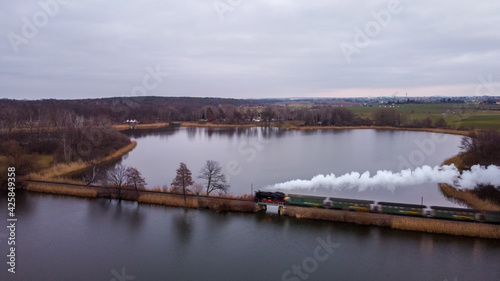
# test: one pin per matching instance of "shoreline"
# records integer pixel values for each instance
(465, 196)
(294, 127)
(123, 127)
(59, 171)
(430, 130)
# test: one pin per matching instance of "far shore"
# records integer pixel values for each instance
(293, 127)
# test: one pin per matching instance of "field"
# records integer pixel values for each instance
(464, 116)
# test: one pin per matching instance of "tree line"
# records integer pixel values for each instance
(33, 115)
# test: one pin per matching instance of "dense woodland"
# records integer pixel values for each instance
(49, 113)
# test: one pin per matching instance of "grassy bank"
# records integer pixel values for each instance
(176, 201)
(60, 172)
(465, 196)
(362, 218)
(142, 126)
(213, 203)
(431, 130)
(62, 189)
(429, 225)
(470, 229)
(213, 125)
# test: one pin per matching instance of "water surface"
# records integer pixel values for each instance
(261, 157)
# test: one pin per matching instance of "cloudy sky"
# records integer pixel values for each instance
(248, 49)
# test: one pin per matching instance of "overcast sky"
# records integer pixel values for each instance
(249, 49)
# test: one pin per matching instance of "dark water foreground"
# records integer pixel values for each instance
(66, 238)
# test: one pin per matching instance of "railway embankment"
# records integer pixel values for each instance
(429, 225)
(221, 204)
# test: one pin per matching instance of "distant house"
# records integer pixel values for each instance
(132, 123)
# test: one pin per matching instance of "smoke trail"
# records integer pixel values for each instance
(387, 179)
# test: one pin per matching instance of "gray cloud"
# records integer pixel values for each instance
(260, 49)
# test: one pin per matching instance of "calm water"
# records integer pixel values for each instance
(66, 238)
(265, 156)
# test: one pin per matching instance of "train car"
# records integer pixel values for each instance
(492, 216)
(348, 204)
(455, 213)
(402, 209)
(305, 200)
(270, 197)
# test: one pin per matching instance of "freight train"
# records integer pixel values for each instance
(460, 214)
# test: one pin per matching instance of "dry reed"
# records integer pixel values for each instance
(61, 170)
(61, 189)
(468, 198)
(465, 196)
(362, 218)
(142, 126)
(168, 200)
(447, 227)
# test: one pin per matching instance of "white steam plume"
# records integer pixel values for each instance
(387, 179)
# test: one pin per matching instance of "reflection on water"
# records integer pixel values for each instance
(261, 157)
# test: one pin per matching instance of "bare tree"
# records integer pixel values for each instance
(216, 180)
(267, 115)
(135, 179)
(118, 178)
(387, 117)
(481, 147)
(183, 179)
(96, 174)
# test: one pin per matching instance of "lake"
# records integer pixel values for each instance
(257, 158)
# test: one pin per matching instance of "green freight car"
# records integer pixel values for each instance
(303, 200)
(455, 213)
(492, 216)
(402, 209)
(348, 204)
